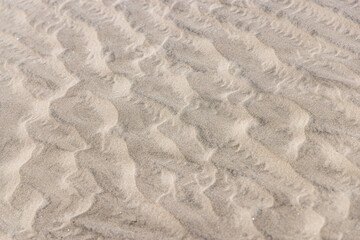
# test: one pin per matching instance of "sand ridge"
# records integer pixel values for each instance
(191, 119)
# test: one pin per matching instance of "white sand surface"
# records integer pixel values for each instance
(182, 120)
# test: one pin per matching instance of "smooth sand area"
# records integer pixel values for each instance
(181, 120)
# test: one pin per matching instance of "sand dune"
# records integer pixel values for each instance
(191, 119)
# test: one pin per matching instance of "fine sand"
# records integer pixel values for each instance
(182, 120)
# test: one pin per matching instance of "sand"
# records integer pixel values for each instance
(162, 119)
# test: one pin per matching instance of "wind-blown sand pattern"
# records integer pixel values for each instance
(161, 119)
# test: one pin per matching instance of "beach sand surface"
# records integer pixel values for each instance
(182, 120)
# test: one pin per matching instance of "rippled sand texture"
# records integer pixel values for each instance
(207, 119)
